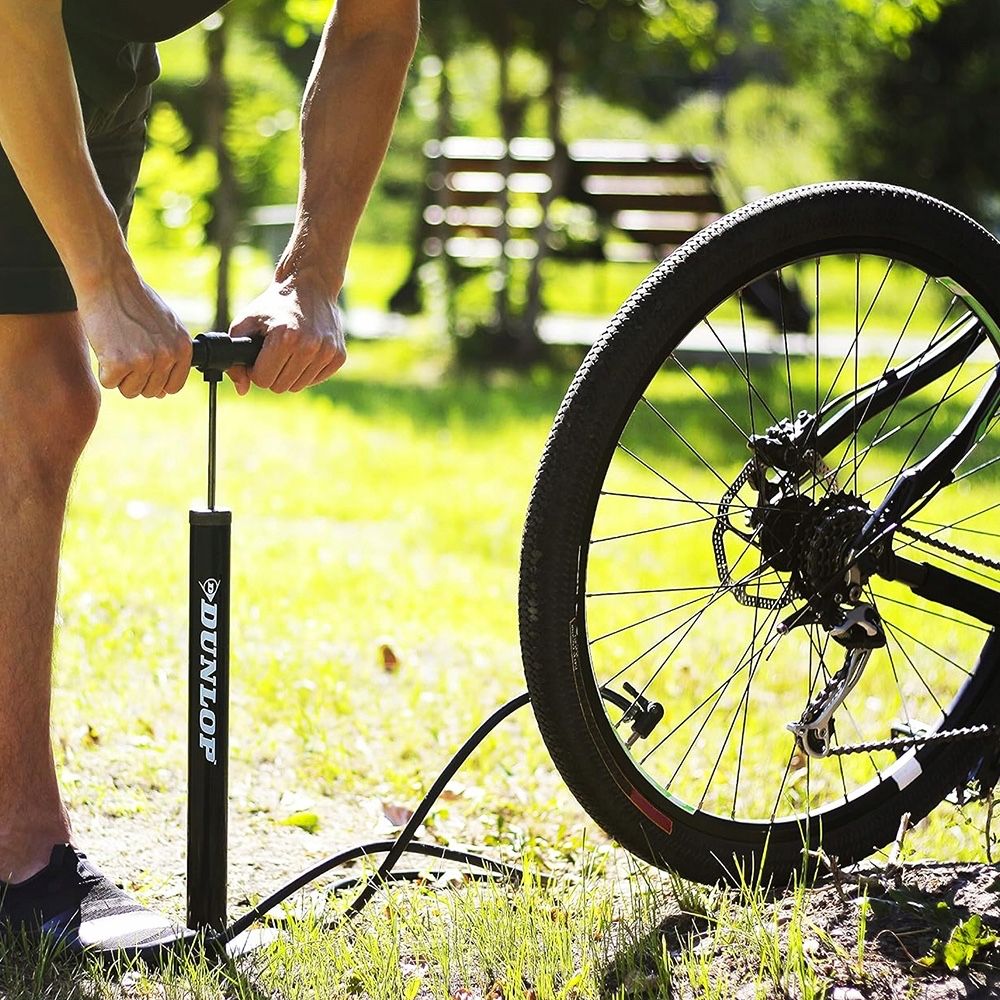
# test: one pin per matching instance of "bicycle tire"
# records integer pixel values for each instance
(820, 220)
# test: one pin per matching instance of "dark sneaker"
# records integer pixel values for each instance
(71, 901)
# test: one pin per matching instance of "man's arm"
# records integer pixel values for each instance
(141, 346)
(348, 113)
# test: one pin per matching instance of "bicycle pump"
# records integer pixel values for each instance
(208, 663)
(208, 726)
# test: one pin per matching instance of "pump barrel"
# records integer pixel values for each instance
(208, 719)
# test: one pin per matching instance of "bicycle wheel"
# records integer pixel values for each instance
(667, 569)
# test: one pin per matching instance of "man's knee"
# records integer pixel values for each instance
(71, 401)
(49, 397)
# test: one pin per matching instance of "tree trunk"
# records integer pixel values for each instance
(441, 47)
(508, 127)
(530, 342)
(225, 202)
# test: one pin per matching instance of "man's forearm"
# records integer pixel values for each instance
(41, 131)
(348, 113)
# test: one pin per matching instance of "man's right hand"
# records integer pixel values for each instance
(142, 347)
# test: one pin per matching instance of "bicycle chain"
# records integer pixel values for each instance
(900, 743)
(905, 742)
(948, 547)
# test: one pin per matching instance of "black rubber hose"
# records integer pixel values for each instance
(410, 830)
(394, 849)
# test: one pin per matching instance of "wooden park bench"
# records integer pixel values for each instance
(484, 200)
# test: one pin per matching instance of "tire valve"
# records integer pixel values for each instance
(645, 715)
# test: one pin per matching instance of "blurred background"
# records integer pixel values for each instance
(763, 95)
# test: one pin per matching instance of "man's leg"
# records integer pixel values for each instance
(49, 401)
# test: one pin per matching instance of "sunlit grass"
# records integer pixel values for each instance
(385, 508)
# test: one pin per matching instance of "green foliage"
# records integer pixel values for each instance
(834, 36)
(892, 22)
(179, 176)
(770, 136)
(307, 821)
(931, 120)
(963, 946)
(172, 209)
(785, 91)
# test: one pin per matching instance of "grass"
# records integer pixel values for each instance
(383, 509)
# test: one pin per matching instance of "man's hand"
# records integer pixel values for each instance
(304, 336)
(141, 346)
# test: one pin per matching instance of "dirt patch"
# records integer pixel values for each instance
(910, 932)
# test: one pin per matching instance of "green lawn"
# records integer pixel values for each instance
(384, 508)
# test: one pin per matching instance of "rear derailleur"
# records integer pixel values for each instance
(859, 631)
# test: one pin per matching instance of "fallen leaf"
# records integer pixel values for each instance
(449, 880)
(307, 821)
(388, 658)
(397, 815)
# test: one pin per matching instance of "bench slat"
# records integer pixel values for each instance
(697, 203)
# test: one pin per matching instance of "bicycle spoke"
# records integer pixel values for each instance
(928, 411)
(709, 600)
(930, 649)
(893, 478)
(784, 341)
(892, 355)
(653, 531)
(716, 694)
(643, 621)
(684, 441)
(753, 662)
(648, 496)
(890, 635)
(711, 399)
(939, 555)
(654, 590)
(751, 388)
(899, 688)
(858, 326)
(686, 626)
(660, 476)
(978, 468)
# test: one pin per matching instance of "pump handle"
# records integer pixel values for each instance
(215, 352)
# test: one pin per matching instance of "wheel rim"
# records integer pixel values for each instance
(652, 609)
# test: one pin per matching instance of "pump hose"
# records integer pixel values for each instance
(405, 843)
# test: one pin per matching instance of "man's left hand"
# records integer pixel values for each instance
(304, 337)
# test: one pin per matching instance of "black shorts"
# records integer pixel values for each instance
(114, 79)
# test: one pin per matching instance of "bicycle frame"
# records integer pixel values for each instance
(839, 418)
